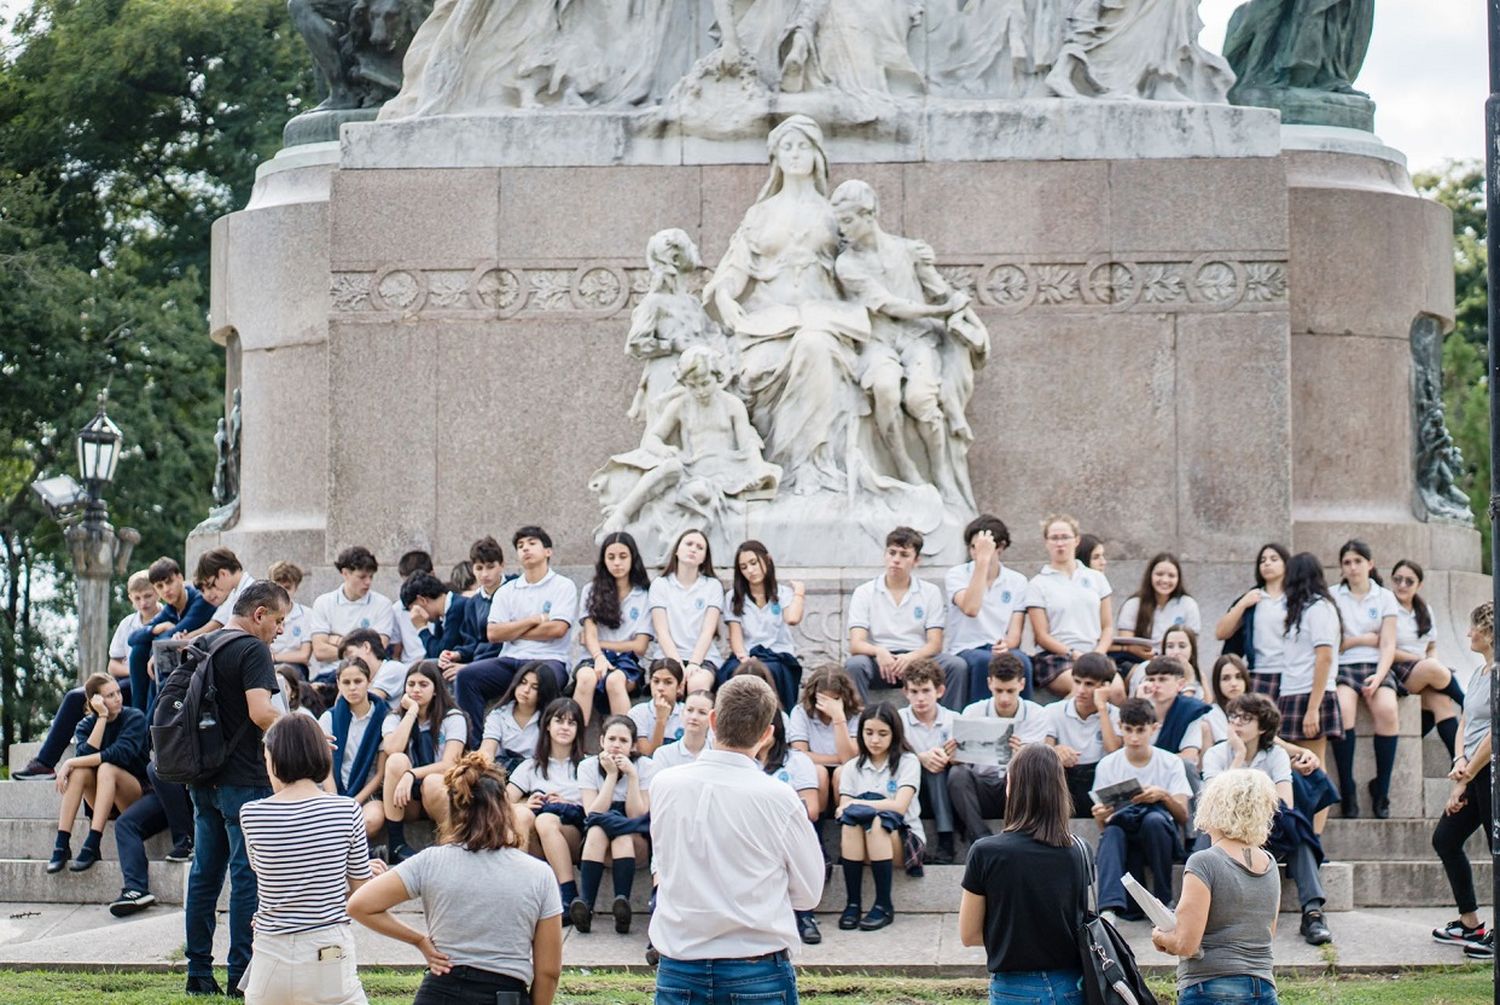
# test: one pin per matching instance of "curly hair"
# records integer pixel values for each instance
(480, 816)
(833, 680)
(1239, 804)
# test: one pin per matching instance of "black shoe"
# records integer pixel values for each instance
(400, 853)
(1314, 931)
(182, 851)
(944, 853)
(35, 771)
(87, 856)
(878, 918)
(621, 911)
(652, 956)
(1349, 805)
(1483, 949)
(60, 855)
(1379, 805)
(581, 915)
(131, 901)
(849, 920)
(1456, 933)
(808, 931)
(203, 986)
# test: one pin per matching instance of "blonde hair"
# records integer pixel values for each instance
(139, 582)
(1482, 618)
(284, 572)
(1053, 518)
(95, 684)
(1239, 804)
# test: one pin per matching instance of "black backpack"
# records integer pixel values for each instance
(1110, 973)
(185, 729)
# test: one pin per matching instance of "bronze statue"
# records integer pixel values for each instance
(1302, 57)
(358, 45)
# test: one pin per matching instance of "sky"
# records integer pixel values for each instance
(1426, 71)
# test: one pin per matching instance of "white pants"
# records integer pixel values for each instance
(285, 969)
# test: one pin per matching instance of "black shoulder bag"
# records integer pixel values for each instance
(1110, 974)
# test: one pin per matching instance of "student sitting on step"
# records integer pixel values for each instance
(353, 723)
(978, 790)
(760, 618)
(351, 606)
(615, 614)
(929, 735)
(487, 561)
(1181, 717)
(1159, 603)
(166, 806)
(659, 720)
(1084, 727)
(1416, 668)
(546, 785)
(881, 816)
(615, 786)
(986, 604)
(511, 728)
(823, 724)
(696, 736)
(421, 741)
(441, 611)
(185, 611)
(687, 604)
(293, 647)
(108, 771)
(1143, 832)
(1068, 604)
(387, 676)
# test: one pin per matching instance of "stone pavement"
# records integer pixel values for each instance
(71, 936)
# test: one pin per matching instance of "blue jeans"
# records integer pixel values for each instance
(978, 662)
(219, 846)
(1037, 987)
(164, 807)
(725, 982)
(1230, 991)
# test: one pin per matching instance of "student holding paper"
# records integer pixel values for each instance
(978, 790)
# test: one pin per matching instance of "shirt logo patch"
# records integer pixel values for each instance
(547, 607)
(890, 786)
(1177, 620)
(364, 622)
(782, 774)
(635, 612)
(679, 732)
(775, 607)
(698, 603)
(297, 630)
(1005, 597)
(1374, 612)
(919, 614)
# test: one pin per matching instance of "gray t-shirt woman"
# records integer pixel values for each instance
(1241, 914)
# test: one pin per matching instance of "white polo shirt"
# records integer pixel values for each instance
(635, 615)
(1181, 610)
(923, 737)
(501, 726)
(855, 780)
(406, 633)
(1165, 770)
(669, 755)
(1318, 626)
(335, 614)
(1362, 615)
(358, 726)
(1084, 735)
(813, 731)
(1270, 619)
(591, 776)
(1071, 602)
(734, 855)
(898, 626)
(561, 777)
(455, 726)
(1408, 640)
(798, 771)
(1029, 722)
(390, 680)
(225, 610)
(765, 626)
(1004, 597)
(686, 608)
(554, 597)
(1275, 762)
(119, 642)
(295, 630)
(643, 714)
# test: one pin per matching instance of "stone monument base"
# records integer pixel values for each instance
(1305, 106)
(321, 125)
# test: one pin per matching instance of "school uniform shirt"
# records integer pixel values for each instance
(798, 771)
(1165, 770)
(1177, 611)
(1275, 762)
(635, 615)
(1192, 737)
(669, 755)
(294, 630)
(335, 614)
(765, 626)
(390, 680)
(1270, 618)
(1361, 615)
(1004, 597)
(1318, 626)
(1408, 639)
(923, 737)
(119, 643)
(554, 597)
(643, 714)
(1071, 603)
(454, 726)
(561, 777)
(407, 634)
(501, 726)
(813, 731)
(1069, 729)
(1218, 722)
(1029, 722)
(858, 779)
(686, 608)
(591, 776)
(358, 725)
(898, 626)
(225, 611)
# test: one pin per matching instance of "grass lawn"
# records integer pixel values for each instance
(1458, 986)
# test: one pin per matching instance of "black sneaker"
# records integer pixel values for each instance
(653, 957)
(621, 911)
(1484, 949)
(808, 931)
(131, 901)
(400, 853)
(581, 915)
(943, 854)
(1456, 933)
(35, 771)
(182, 851)
(203, 987)
(1314, 931)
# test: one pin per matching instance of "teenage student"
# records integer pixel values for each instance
(387, 676)
(878, 807)
(823, 723)
(1307, 700)
(696, 736)
(1090, 553)
(1252, 627)
(760, 617)
(986, 604)
(421, 742)
(354, 723)
(1084, 727)
(1142, 833)
(615, 786)
(184, 611)
(1181, 716)
(1069, 608)
(1181, 643)
(513, 725)
(353, 604)
(1416, 668)
(107, 770)
(616, 618)
(896, 619)
(1160, 602)
(1367, 612)
(410, 626)
(978, 790)
(659, 720)
(546, 784)
(797, 770)
(686, 603)
(439, 609)
(293, 647)
(929, 735)
(487, 562)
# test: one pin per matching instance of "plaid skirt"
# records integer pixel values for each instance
(1355, 674)
(1400, 671)
(1268, 684)
(1046, 667)
(1294, 706)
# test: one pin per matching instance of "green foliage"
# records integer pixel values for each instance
(1460, 187)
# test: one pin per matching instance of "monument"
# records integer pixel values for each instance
(965, 256)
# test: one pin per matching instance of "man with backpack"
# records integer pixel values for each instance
(210, 718)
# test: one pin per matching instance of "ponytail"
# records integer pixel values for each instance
(480, 814)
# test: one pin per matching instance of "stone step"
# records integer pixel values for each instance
(1372, 840)
(1413, 883)
(20, 754)
(22, 838)
(33, 800)
(28, 880)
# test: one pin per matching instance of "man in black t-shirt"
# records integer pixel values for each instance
(245, 675)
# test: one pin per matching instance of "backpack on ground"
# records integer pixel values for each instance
(186, 729)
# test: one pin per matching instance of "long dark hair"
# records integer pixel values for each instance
(1418, 605)
(1286, 560)
(604, 598)
(1305, 585)
(1361, 549)
(1217, 674)
(1145, 597)
(706, 568)
(442, 701)
(886, 713)
(779, 751)
(1037, 801)
(558, 708)
(742, 585)
(546, 684)
(1085, 550)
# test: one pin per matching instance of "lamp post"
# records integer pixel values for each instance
(1492, 244)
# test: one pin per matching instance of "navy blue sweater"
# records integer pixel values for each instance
(125, 739)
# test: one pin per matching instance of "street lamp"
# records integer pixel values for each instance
(98, 550)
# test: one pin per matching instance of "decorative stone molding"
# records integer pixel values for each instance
(1148, 283)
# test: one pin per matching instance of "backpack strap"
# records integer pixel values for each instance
(1087, 857)
(225, 637)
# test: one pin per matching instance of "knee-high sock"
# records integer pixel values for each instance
(1447, 731)
(1454, 691)
(1343, 756)
(589, 875)
(1428, 721)
(624, 872)
(882, 873)
(1385, 761)
(567, 892)
(854, 881)
(395, 834)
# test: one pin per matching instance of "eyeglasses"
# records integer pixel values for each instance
(1240, 718)
(1405, 580)
(1059, 537)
